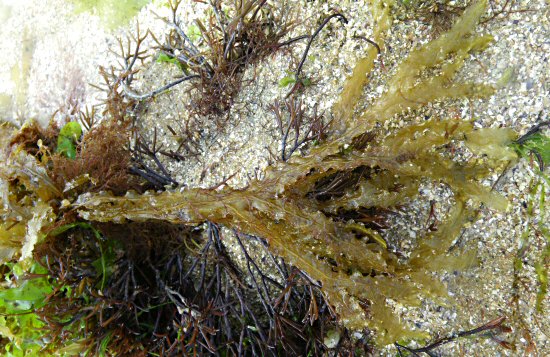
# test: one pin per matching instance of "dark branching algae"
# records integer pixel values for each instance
(104, 253)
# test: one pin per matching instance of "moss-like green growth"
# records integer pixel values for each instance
(69, 135)
(538, 144)
(113, 13)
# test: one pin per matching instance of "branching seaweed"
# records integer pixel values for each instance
(165, 289)
(441, 14)
(298, 82)
(142, 151)
(290, 126)
(296, 228)
(234, 36)
(145, 289)
(102, 162)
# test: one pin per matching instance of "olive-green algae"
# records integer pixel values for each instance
(358, 276)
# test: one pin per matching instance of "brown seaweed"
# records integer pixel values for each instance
(294, 208)
(357, 276)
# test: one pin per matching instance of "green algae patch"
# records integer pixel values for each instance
(68, 138)
(113, 13)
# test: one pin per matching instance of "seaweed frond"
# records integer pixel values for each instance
(154, 287)
(142, 151)
(295, 206)
(121, 101)
(164, 287)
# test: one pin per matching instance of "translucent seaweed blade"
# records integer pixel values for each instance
(436, 51)
(402, 95)
(439, 242)
(353, 86)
